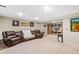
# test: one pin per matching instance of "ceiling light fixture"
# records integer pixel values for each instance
(47, 8)
(20, 14)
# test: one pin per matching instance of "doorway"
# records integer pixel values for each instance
(55, 28)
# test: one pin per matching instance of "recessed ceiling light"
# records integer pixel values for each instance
(20, 14)
(47, 8)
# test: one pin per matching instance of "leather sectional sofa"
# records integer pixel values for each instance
(11, 38)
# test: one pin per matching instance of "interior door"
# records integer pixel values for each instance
(49, 29)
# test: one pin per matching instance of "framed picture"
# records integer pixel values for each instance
(15, 23)
(24, 23)
(74, 24)
(31, 24)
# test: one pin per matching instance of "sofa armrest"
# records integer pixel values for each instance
(43, 32)
(7, 42)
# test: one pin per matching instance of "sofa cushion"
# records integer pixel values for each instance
(37, 32)
(16, 38)
(26, 32)
(29, 37)
(12, 36)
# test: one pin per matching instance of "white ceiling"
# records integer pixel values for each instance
(39, 13)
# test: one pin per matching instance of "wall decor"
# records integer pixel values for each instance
(24, 23)
(15, 23)
(74, 23)
(31, 24)
(44, 25)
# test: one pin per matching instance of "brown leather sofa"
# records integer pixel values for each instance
(11, 38)
(37, 33)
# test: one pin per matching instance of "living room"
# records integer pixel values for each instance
(42, 30)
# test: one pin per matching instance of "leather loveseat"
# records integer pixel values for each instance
(11, 38)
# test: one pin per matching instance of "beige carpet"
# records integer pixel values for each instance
(46, 45)
(2, 45)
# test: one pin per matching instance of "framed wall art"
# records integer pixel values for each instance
(31, 24)
(24, 23)
(15, 23)
(74, 24)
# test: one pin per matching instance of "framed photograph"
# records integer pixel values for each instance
(15, 23)
(74, 24)
(31, 24)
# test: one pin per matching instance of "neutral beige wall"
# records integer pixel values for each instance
(70, 37)
(6, 25)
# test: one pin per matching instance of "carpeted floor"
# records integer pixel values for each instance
(2, 45)
(46, 45)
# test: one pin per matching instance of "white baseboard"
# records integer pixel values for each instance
(72, 43)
